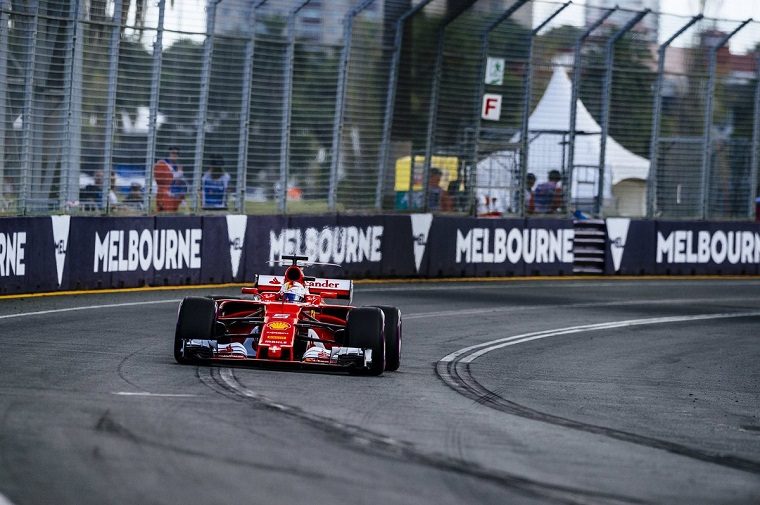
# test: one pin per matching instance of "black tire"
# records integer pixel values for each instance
(195, 320)
(364, 329)
(392, 337)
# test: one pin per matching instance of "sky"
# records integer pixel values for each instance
(679, 13)
(189, 15)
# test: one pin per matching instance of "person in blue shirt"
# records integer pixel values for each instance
(215, 184)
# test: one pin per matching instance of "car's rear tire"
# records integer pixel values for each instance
(365, 329)
(195, 320)
(392, 337)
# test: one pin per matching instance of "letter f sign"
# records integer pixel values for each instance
(491, 110)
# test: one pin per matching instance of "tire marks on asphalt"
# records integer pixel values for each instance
(455, 371)
(406, 451)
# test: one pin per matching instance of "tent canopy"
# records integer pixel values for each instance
(549, 134)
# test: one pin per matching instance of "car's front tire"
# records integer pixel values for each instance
(195, 320)
(392, 333)
(365, 329)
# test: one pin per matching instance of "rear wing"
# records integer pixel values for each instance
(343, 288)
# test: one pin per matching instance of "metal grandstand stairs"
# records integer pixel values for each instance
(588, 246)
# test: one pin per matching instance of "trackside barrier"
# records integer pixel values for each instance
(40, 254)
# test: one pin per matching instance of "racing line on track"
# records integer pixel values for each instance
(364, 439)
(84, 307)
(454, 370)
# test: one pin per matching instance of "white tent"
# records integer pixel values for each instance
(549, 125)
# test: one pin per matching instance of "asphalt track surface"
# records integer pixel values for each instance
(620, 392)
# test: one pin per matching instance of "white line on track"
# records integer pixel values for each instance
(521, 308)
(4, 500)
(486, 347)
(521, 284)
(157, 395)
(84, 307)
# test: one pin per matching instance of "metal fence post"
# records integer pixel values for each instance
(287, 90)
(69, 184)
(433, 109)
(391, 99)
(245, 113)
(155, 83)
(609, 59)
(5, 7)
(113, 76)
(200, 134)
(754, 155)
(477, 106)
(575, 93)
(657, 113)
(26, 152)
(340, 101)
(527, 98)
(707, 150)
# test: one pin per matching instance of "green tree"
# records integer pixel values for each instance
(631, 99)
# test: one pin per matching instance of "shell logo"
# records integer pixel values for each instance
(278, 325)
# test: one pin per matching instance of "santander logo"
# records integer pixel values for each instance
(274, 281)
(325, 283)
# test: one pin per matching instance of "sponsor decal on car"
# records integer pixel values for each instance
(233, 350)
(278, 325)
(281, 316)
(276, 337)
(322, 283)
(274, 281)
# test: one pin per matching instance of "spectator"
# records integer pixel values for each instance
(170, 182)
(113, 199)
(91, 195)
(134, 199)
(6, 193)
(438, 198)
(215, 184)
(547, 197)
(530, 204)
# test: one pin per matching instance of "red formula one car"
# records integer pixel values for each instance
(285, 320)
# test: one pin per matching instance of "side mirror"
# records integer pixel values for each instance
(250, 291)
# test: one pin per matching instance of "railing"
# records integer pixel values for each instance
(308, 106)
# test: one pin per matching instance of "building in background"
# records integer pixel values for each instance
(523, 16)
(320, 21)
(649, 25)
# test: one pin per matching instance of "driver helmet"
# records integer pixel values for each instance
(294, 292)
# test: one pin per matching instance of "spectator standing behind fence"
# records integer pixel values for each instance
(547, 197)
(215, 183)
(91, 195)
(134, 199)
(530, 204)
(170, 182)
(438, 198)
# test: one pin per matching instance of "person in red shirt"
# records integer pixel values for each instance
(170, 182)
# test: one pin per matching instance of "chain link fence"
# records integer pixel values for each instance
(478, 107)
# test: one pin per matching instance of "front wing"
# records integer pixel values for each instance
(235, 353)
